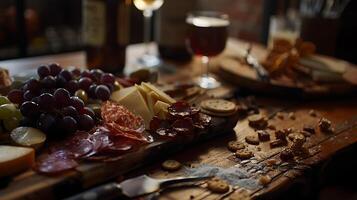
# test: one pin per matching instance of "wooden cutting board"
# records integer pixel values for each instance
(232, 70)
(31, 185)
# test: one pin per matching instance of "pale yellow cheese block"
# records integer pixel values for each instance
(162, 95)
(132, 99)
(15, 159)
(142, 91)
(152, 98)
(160, 106)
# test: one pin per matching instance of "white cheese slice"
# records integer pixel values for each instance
(162, 95)
(132, 99)
(15, 159)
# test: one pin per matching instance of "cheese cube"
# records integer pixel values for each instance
(132, 99)
(15, 159)
(162, 95)
(160, 106)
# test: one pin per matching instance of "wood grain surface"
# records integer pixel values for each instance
(341, 111)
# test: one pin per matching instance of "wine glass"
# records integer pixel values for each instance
(207, 37)
(148, 7)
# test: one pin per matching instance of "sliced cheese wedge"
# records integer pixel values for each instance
(152, 98)
(132, 99)
(162, 95)
(160, 106)
(15, 159)
(142, 91)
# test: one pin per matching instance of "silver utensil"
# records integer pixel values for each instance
(263, 74)
(134, 187)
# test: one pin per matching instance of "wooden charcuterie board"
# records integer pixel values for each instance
(30, 185)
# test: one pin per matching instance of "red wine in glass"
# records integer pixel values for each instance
(207, 36)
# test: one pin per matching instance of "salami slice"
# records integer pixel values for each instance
(113, 112)
(183, 126)
(56, 162)
(182, 109)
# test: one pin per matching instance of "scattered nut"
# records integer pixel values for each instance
(235, 145)
(280, 115)
(278, 143)
(263, 135)
(217, 185)
(257, 121)
(244, 154)
(280, 134)
(253, 140)
(287, 155)
(291, 116)
(264, 180)
(324, 125)
(271, 127)
(171, 165)
(305, 133)
(312, 113)
(309, 128)
(271, 162)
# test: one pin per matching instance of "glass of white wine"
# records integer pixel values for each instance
(148, 7)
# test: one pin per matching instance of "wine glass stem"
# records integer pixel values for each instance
(205, 62)
(147, 29)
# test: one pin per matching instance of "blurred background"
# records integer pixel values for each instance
(39, 27)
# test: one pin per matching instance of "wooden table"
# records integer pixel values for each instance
(322, 146)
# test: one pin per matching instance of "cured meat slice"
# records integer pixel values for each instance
(56, 162)
(113, 112)
(184, 126)
(182, 109)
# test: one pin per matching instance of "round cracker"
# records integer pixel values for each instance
(171, 165)
(218, 186)
(235, 145)
(218, 105)
(217, 114)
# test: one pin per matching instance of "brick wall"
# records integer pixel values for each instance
(245, 16)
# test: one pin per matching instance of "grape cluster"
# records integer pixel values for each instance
(56, 101)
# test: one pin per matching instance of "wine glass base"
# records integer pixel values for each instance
(147, 60)
(207, 82)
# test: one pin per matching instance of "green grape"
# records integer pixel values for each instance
(7, 111)
(82, 95)
(11, 123)
(4, 100)
(18, 114)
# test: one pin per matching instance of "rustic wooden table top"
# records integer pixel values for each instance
(341, 112)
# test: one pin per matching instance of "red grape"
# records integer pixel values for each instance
(107, 79)
(15, 96)
(62, 97)
(43, 71)
(77, 103)
(72, 86)
(55, 69)
(85, 122)
(28, 95)
(88, 111)
(46, 101)
(46, 122)
(96, 73)
(91, 91)
(86, 73)
(66, 74)
(76, 72)
(48, 82)
(84, 83)
(60, 81)
(102, 92)
(33, 85)
(69, 124)
(29, 109)
(69, 111)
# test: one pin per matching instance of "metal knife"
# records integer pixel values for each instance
(131, 188)
(263, 74)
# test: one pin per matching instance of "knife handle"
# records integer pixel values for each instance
(107, 191)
